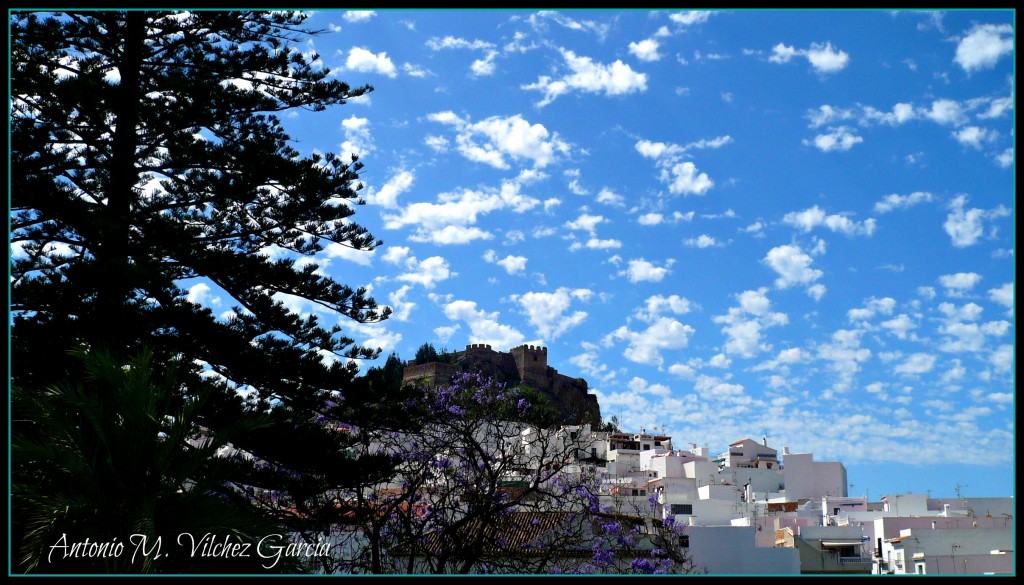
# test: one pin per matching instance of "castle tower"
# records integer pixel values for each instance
(532, 364)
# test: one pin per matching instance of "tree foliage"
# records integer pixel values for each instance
(147, 158)
(146, 152)
(118, 457)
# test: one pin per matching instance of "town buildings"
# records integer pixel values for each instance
(751, 509)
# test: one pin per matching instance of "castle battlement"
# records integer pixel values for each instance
(527, 364)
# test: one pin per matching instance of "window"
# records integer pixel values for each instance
(681, 509)
(646, 446)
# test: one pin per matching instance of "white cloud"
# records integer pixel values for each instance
(1002, 358)
(450, 220)
(364, 61)
(895, 201)
(960, 283)
(585, 222)
(357, 136)
(444, 333)
(609, 197)
(1000, 398)
(1005, 158)
(955, 373)
(360, 257)
(792, 265)
(428, 272)
(656, 150)
(900, 326)
(538, 20)
(782, 53)
(701, 241)
(399, 305)
(437, 143)
(376, 336)
(824, 58)
(884, 306)
(450, 42)
(657, 305)
(484, 67)
(483, 326)
(743, 324)
(597, 244)
(512, 264)
(845, 354)
(641, 270)
(962, 331)
(983, 46)
(645, 347)
(198, 293)
(590, 77)
(900, 114)
(813, 217)
(591, 364)
(681, 177)
(918, 363)
(650, 219)
(451, 235)
(974, 136)
(946, 112)
(496, 139)
(396, 254)
(826, 115)
(686, 179)
(641, 386)
(388, 194)
(645, 50)
(838, 139)
(965, 227)
(1003, 295)
(690, 17)
(358, 15)
(546, 312)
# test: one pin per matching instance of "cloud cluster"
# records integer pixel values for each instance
(983, 46)
(495, 140)
(586, 76)
(823, 57)
(682, 177)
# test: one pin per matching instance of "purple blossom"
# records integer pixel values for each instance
(602, 556)
(643, 566)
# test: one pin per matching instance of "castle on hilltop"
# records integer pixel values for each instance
(525, 364)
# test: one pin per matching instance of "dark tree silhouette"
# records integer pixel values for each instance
(146, 154)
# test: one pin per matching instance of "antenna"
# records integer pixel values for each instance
(958, 489)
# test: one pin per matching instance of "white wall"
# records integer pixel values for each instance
(703, 471)
(731, 550)
(806, 478)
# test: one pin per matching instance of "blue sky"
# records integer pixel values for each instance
(792, 224)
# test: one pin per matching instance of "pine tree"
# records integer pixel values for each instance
(146, 152)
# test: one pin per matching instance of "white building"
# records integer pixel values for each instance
(731, 550)
(949, 551)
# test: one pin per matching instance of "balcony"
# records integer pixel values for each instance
(854, 560)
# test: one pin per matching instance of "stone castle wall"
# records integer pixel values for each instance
(524, 364)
